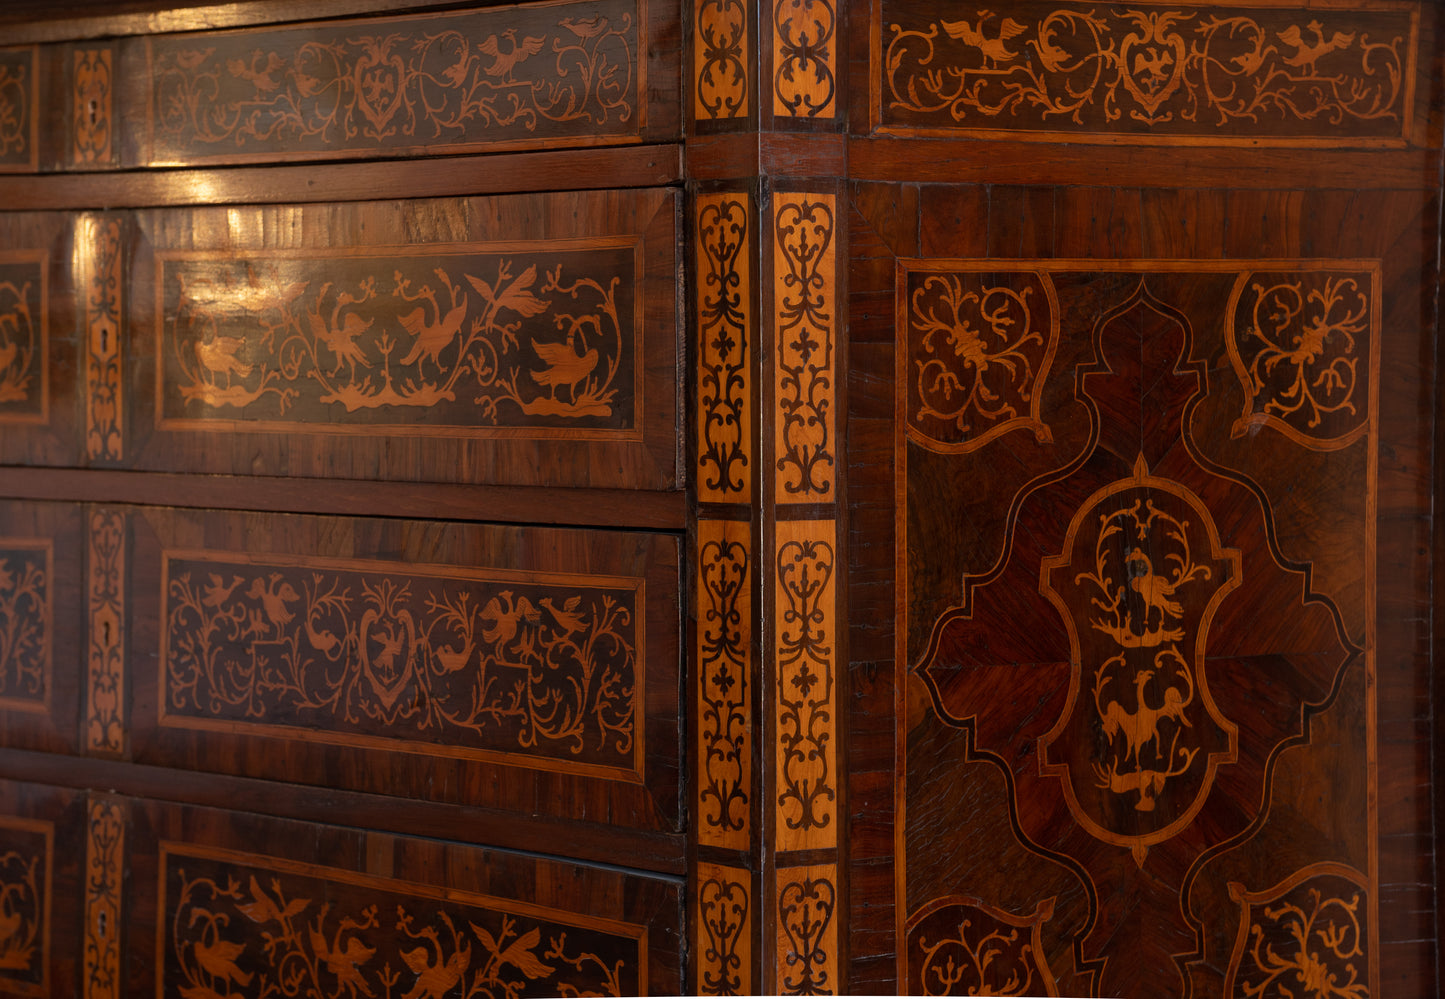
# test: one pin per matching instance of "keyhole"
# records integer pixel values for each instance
(93, 109)
(104, 341)
(100, 924)
(105, 632)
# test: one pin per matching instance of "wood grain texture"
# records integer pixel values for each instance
(1343, 499)
(725, 667)
(105, 855)
(527, 340)
(721, 54)
(805, 58)
(727, 339)
(725, 917)
(349, 910)
(41, 841)
(808, 914)
(505, 667)
(98, 242)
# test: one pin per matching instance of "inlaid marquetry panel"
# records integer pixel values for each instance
(549, 656)
(1104, 570)
(727, 340)
(726, 681)
(24, 338)
(721, 52)
(92, 107)
(805, 312)
(724, 918)
(19, 109)
(104, 898)
(527, 76)
(105, 690)
(98, 244)
(524, 340)
(41, 576)
(805, 58)
(1275, 73)
(41, 857)
(810, 906)
(239, 904)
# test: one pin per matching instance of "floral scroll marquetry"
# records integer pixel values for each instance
(724, 683)
(806, 655)
(1303, 345)
(805, 58)
(725, 918)
(537, 669)
(24, 339)
(530, 76)
(104, 875)
(807, 941)
(726, 345)
(99, 240)
(241, 924)
(979, 351)
(27, 580)
(105, 722)
(26, 856)
(805, 308)
(92, 104)
(19, 107)
(720, 54)
(1254, 73)
(474, 341)
(1307, 935)
(962, 946)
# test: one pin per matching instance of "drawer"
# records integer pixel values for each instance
(526, 669)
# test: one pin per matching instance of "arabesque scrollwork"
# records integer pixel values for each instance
(104, 874)
(962, 946)
(980, 353)
(104, 378)
(808, 958)
(92, 101)
(723, 912)
(470, 342)
(721, 35)
(1131, 71)
(22, 915)
(465, 80)
(806, 686)
(25, 620)
(1305, 937)
(240, 931)
(726, 344)
(17, 124)
(1298, 343)
(547, 671)
(105, 725)
(724, 687)
(21, 343)
(805, 71)
(806, 311)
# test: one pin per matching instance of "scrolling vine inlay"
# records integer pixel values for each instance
(1256, 73)
(805, 315)
(532, 75)
(24, 365)
(234, 921)
(725, 683)
(492, 343)
(726, 919)
(104, 874)
(726, 344)
(962, 946)
(1106, 641)
(19, 105)
(26, 622)
(25, 905)
(543, 670)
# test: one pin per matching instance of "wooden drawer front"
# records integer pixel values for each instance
(40, 887)
(228, 899)
(40, 625)
(521, 77)
(527, 340)
(506, 667)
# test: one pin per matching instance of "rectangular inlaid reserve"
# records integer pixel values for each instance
(456, 662)
(1273, 73)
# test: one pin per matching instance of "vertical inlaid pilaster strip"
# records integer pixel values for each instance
(104, 873)
(725, 393)
(806, 628)
(805, 58)
(720, 53)
(105, 690)
(807, 954)
(98, 242)
(725, 920)
(724, 683)
(92, 101)
(805, 311)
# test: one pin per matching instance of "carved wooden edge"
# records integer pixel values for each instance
(805, 41)
(807, 907)
(98, 245)
(724, 918)
(104, 731)
(92, 97)
(805, 318)
(806, 695)
(726, 345)
(104, 878)
(721, 52)
(724, 668)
